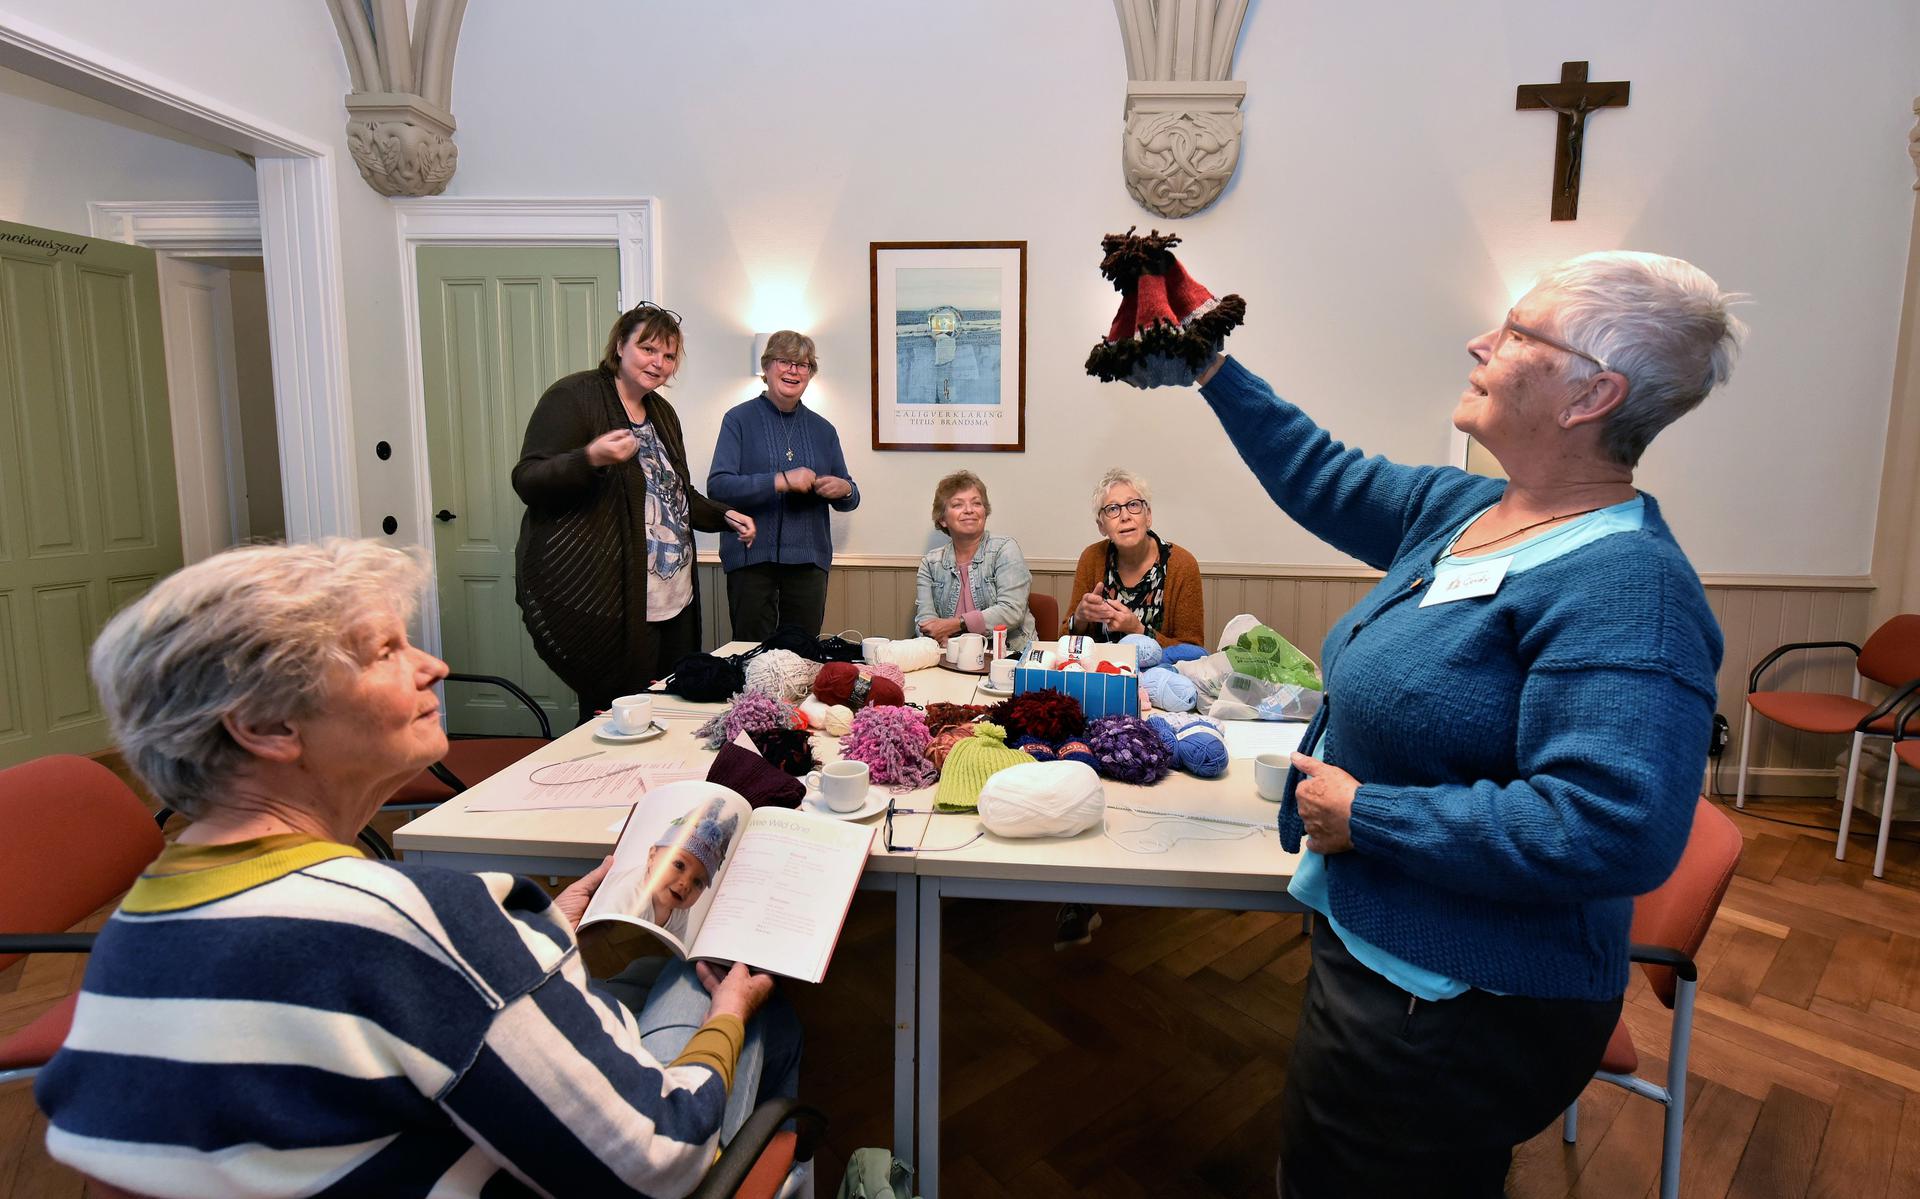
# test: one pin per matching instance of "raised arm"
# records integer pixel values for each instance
(553, 470)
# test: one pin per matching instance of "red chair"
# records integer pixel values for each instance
(1890, 657)
(75, 838)
(1669, 923)
(1046, 615)
(1906, 749)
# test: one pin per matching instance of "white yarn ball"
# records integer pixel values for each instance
(781, 673)
(911, 654)
(1042, 799)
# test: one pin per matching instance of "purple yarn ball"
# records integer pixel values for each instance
(1128, 750)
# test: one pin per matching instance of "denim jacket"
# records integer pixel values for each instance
(1000, 581)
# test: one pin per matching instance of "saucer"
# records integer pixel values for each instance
(988, 688)
(876, 803)
(604, 731)
(957, 669)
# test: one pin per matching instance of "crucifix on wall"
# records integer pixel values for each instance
(1573, 98)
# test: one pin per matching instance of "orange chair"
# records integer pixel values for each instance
(1669, 923)
(75, 838)
(1906, 749)
(1890, 657)
(1046, 615)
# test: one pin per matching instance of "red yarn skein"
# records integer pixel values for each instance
(837, 683)
(1046, 714)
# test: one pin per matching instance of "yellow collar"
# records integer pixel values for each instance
(187, 876)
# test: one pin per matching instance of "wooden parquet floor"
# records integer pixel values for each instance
(1150, 1063)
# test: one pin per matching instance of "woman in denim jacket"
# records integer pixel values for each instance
(978, 580)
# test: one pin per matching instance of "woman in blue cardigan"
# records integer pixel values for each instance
(1514, 733)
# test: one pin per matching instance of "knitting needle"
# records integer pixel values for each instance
(1192, 816)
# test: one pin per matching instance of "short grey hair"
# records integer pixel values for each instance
(1660, 322)
(794, 347)
(1115, 477)
(248, 633)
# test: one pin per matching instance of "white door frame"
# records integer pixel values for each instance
(630, 224)
(298, 238)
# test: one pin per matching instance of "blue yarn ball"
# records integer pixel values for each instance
(1197, 746)
(1182, 652)
(1146, 651)
(1169, 690)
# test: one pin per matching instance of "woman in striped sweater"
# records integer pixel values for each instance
(270, 1013)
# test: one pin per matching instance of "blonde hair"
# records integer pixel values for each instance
(953, 485)
(794, 347)
(250, 633)
(1115, 477)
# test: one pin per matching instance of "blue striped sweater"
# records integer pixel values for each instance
(301, 1021)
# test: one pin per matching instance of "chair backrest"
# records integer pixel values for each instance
(1892, 655)
(72, 836)
(1046, 615)
(1677, 913)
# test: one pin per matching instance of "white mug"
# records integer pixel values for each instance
(870, 647)
(633, 713)
(953, 650)
(1270, 775)
(1000, 673)
(842, 785)
(973, 652)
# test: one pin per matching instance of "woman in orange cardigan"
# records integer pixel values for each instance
(1133, 582)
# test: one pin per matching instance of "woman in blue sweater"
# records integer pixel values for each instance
(1514, 733)
(779, 462)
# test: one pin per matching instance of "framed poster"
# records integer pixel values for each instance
(949, 345)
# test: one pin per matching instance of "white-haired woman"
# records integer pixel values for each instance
(270, 1013)
(1515, 726)
(1131, 581)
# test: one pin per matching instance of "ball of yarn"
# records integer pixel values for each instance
(1173, 655)
(782, 674)
(944, 741)
(943, 716)
(892, 741)
(1042, 799)
(705, 679)
(832, 720)
(914, 653)
(1128, 750)
(1046, 714)
(749, 712)
(1169, 690)
(1197, 743)
(1146, 651)
(1042, 751)
(789, 749)
(843, 683)
(886, 670)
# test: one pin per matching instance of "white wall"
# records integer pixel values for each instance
(1390, 203)
(62, 150)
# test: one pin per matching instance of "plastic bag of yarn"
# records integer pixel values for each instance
(1291, 702)
(1267, 655)
(706, 679)
(1206, 673)
(1042, 799)
(781, 673)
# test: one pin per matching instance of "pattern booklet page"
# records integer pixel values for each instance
(788, 887)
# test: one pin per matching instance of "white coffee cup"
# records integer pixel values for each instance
(842, 785)
(973, 652)
(953, 651)
(870, 647)
(1000, 673)
(1270, 775)
(633, 713)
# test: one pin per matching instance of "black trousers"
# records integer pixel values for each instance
(1390, 1096)
(673, 639)
(766, 595)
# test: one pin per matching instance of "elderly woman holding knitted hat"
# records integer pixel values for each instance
(1512, 740)
(1131, 581)
(976, 580)
(271, 1011)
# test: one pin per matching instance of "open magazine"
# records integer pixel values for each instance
(716, 880)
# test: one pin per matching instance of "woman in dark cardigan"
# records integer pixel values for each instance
(607, 582)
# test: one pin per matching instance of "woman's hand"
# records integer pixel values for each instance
(743, 525)
(609, 448)
(1093, 607)
(738, 992)
(795, 479)
(573, 901)
(941, 628)
(1325, 797)
(831, 487)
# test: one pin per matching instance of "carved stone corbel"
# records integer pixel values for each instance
(1181, 141)
(399, 126)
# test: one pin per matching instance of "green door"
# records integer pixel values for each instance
(89, 514)
(497, 326)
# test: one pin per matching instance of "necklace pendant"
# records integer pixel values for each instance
(789, 455)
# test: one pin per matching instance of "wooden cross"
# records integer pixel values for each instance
(1573, 98)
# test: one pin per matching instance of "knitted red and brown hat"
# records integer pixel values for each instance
(1166, 316)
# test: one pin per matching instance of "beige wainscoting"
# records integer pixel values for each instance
(874, 595)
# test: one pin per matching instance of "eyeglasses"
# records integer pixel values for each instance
(1136, 506)
(789, 364)
(892, 811)
(650, 306)
(1544, 339)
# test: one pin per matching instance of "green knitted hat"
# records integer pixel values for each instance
(971, 763)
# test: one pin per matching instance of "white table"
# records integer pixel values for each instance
(1250, 873)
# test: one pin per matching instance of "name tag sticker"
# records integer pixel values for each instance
(1465, 582)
